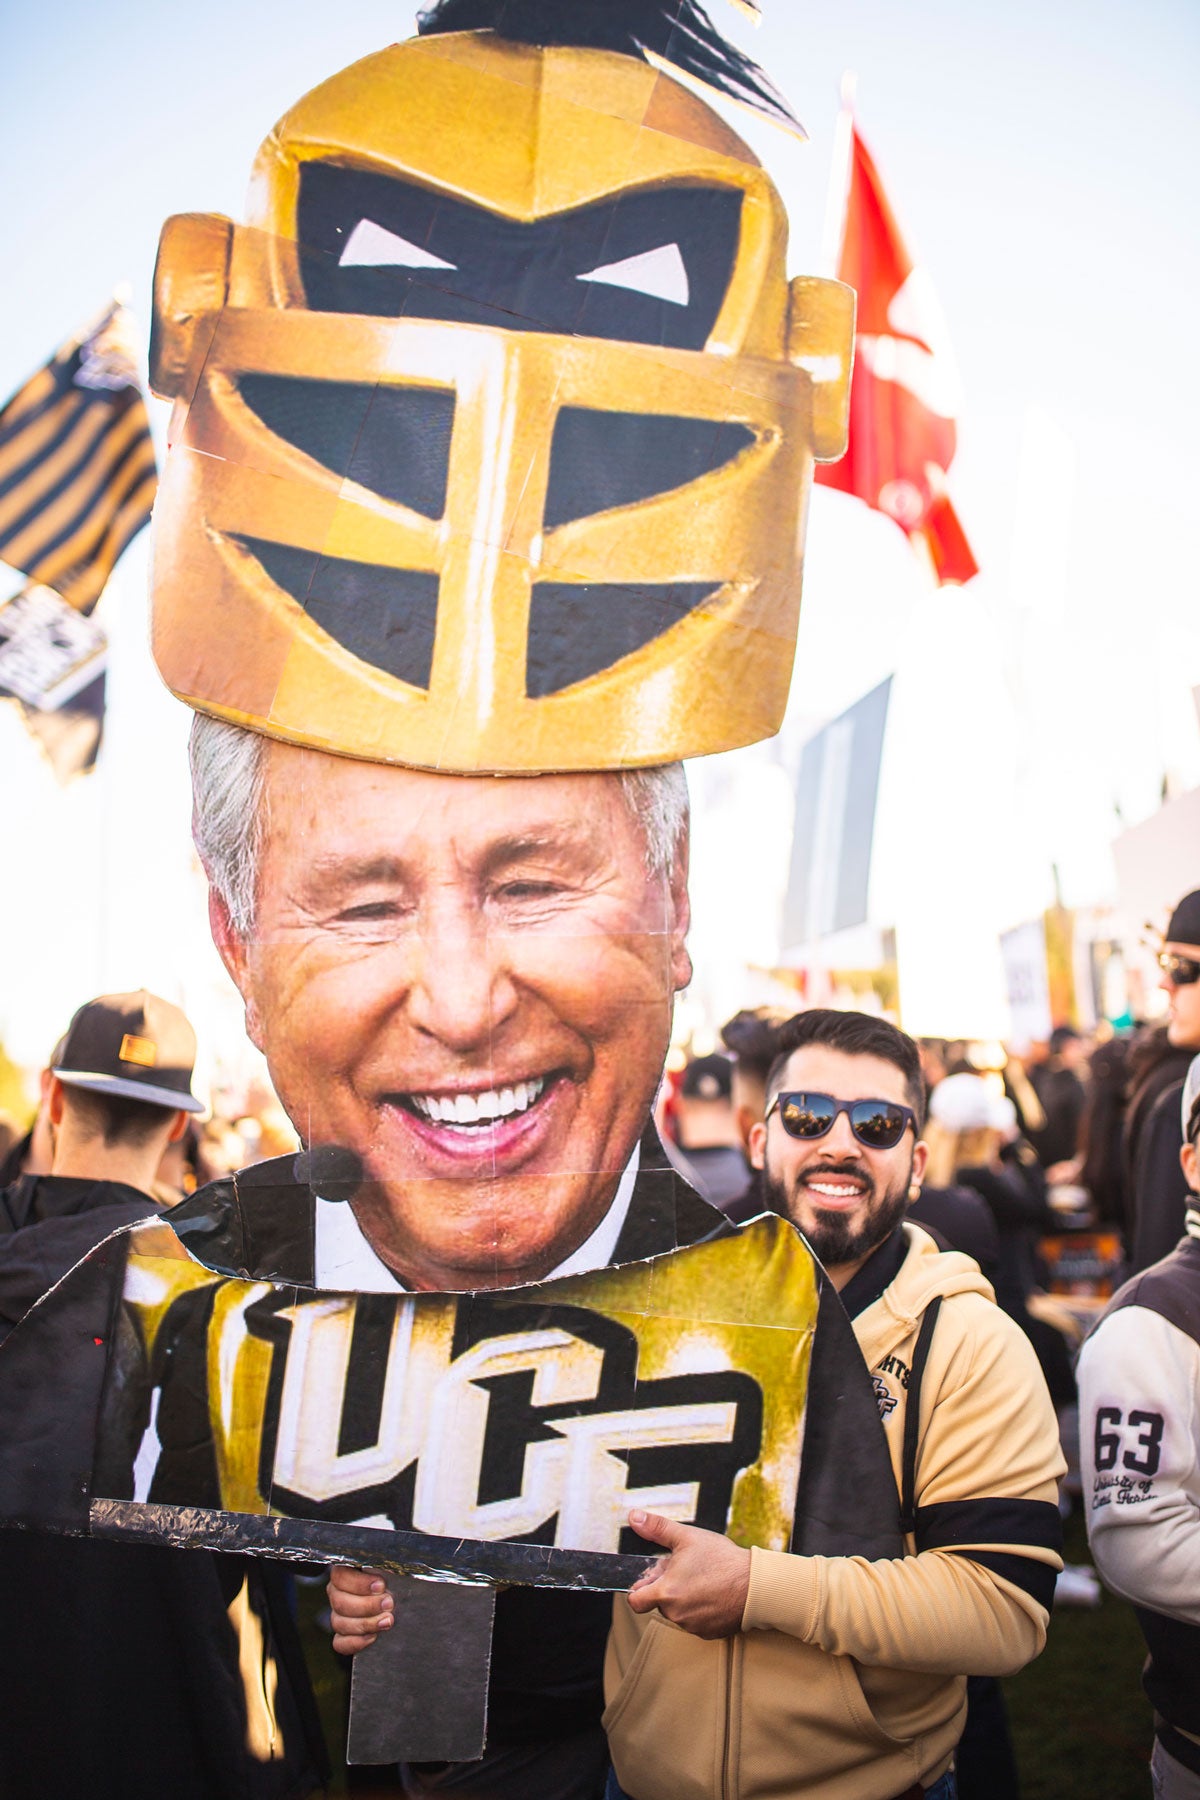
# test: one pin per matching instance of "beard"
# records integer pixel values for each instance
(834, 1238)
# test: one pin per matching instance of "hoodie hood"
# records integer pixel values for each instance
(925, 1273)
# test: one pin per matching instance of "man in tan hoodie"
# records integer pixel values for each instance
(740, 1674)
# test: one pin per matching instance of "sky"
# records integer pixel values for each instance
(1041, 161)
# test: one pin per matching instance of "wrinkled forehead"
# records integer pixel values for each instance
(317, 804)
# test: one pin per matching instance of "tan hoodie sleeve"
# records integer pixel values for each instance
(976, 1595)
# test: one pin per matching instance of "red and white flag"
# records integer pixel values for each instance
(904, 394)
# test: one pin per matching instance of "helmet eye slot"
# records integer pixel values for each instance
(385, 616)
(562, 649)
(393, 440)
(649, 266)
(600, 460)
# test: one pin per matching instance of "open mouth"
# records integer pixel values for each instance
(484, 1110)
(835, 1190)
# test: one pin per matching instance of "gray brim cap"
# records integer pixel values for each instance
(133, 1046)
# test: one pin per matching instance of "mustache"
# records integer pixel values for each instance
(844, 1167)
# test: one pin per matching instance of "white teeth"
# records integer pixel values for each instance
(837, 1193)
(478, 1109)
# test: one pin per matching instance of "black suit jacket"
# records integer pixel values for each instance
(260, 1224)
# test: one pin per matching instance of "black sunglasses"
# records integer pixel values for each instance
(1180, 971)
(879, 1124)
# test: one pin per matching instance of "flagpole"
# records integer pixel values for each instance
(839, 177)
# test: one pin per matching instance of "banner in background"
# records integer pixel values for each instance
(77, 468)
(836, 791)
(904, 397)
(1027, 982)
(52, 663)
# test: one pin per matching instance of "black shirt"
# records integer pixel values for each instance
(48, 1223)
(878, 1272)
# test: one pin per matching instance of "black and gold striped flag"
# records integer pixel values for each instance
(52, 667)
(77, 470)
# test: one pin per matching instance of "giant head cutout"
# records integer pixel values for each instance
(494, 428)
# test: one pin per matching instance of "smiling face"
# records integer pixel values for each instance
(468, 982)
(844, 1197)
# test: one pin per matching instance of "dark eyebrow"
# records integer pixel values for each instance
(501, 855)
(331, 871)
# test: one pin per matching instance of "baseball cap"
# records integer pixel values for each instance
(133, 1045)
(1184, 927)
(707, 1078)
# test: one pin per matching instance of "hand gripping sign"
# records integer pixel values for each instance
(494, 428)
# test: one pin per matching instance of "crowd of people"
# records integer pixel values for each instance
(934, 1182)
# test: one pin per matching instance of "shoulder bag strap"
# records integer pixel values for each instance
(912, 1419)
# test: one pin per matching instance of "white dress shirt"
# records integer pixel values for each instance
(345, 1262)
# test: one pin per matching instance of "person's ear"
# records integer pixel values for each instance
(179, 1125)
(54, 1101)
(681, 917)
(234, 953)
(746, 1118)
(757, 1145)
(1190, 1162)
(920, 1158)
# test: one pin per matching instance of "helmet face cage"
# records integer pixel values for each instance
(495, 427)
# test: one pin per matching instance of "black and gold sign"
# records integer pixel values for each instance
(536, 1416)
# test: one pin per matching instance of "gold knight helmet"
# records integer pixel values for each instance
(495, 424)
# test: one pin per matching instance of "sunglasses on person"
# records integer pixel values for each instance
(877, 1124)
(1180, 971)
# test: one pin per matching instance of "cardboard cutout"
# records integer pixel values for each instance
(495, 425)
(493, 435)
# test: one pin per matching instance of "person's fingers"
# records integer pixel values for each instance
(349, 1643)
(667, 1532)
(652, 1573)
(363, 1630)
(644, 1598)
(360, 1606)
(348, 1580)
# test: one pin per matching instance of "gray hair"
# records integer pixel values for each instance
(229, 798)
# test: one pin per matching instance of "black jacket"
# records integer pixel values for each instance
(1154, 1066)
(1016, 1195)
(1062, 1096)
(48, 1223)
(119, 1663)
(960, 1219)
(1160, 1193)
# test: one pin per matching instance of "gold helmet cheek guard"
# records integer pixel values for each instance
(476, 630)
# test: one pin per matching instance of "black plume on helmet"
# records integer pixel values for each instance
(678, 31)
